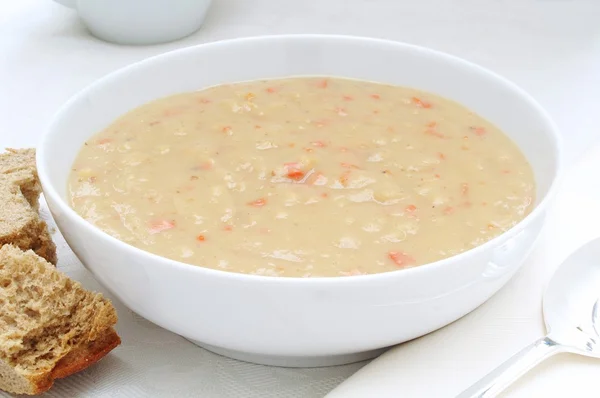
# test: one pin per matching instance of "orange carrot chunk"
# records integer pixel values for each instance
(349, 165)
(294, 171)
(479, 131)
(375, 96)
(323, 83)
(347, 98)
(411, 208)
(271, 90)
(200, 238)
(258, 202)
(401, 259)
(318, 144)
(295, 174)
(160, 225)
(421, 103)
(344, 178)
(228, 227)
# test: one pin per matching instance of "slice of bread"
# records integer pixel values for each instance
(50, 327)
(20, 189)
(18, 166)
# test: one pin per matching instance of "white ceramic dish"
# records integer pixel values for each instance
(298, 322)
(140, 21)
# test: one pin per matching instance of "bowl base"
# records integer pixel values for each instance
(292, 362)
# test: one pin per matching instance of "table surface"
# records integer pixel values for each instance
(549, 47)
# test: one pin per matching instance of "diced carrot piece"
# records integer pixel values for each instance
(449, 210)
(295, 174)
(344, 178)
(271, 90)
(411, 208)
(421, 103)
(479, 131)
(437, 176)
(349, 165)
(206, 165)
(343, 149)
(375, 96)
(324, 195)
(258, 202)
(228, 228)
(401, 259)
(434, 133)
(318, 144)
(204, 100)
(257, 126)
(441, 156)
(226, 129)
(348, 98)
(200, 238)
(432, 125)
(506, 171)
(294, 170)
(323, 83)
(161, 225)
(104, 141)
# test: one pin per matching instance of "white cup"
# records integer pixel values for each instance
(140, 21)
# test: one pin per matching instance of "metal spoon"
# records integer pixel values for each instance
(572, 322)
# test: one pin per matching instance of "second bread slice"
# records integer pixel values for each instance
(50, 327)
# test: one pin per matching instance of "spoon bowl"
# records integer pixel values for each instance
(571, 317)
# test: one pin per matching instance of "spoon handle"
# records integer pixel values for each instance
(516, 366)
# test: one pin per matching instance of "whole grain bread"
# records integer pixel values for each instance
(50, 327)
(20, 189)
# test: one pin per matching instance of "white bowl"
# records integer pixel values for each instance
(289, 321)
(140, 21)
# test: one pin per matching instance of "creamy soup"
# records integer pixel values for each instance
(302, 177)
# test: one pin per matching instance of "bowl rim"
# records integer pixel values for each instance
(51, 191)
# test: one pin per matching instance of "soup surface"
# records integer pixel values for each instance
(302, 177)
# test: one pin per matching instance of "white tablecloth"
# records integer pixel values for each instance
(549, 47)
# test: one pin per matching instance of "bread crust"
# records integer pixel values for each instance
(77, 360)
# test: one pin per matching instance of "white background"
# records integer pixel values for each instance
(549, 47)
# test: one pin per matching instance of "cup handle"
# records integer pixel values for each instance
(68, 3)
